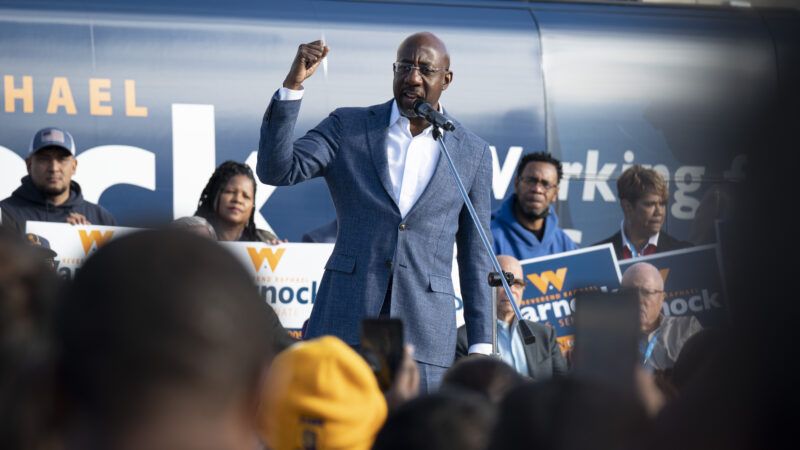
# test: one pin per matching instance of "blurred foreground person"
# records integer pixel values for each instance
(228, 203)
(569, 414)
(28, 287)
(490, 377)
(163, 342)
(321, 394)
(446, 420)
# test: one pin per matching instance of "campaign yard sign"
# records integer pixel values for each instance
(287, 276)
(693, 283)
(553, 282)
(74, 243)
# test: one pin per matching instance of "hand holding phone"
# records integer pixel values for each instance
(382, 347)
(606, 337)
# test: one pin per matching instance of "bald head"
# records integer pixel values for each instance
(510, 264)
(421, 73)
(643, 275)
(425, 39)
(646, 279)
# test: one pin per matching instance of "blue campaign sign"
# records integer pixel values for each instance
(553, 281)
(692, 281)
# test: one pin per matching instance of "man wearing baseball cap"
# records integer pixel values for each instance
(47, 193)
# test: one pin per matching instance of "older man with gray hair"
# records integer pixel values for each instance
(662, 336)
(540, 360)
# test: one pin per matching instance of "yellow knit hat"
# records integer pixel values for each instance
(321, 394)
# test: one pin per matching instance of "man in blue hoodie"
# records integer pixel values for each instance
(47, 193)
(526, 226)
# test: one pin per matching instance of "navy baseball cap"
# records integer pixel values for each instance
(41, 245)
(52, 137)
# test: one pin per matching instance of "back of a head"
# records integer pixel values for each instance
(194, 224)
(568, 414)
(160, 315)
(28, 288)
(451, 419)
(489, 377)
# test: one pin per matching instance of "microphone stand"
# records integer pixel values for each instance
(527, 334)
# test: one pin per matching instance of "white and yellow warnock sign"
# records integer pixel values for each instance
(74, 243)
(287, 276)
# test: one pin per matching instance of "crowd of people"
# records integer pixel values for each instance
(161, 342)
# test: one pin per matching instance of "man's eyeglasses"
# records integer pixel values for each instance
(533, 181)
(649, 294)
(402, 68)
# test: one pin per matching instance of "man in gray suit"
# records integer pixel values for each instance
(539, 360)
(398, 209)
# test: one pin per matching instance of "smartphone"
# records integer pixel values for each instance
(607, 337)
(382, 347)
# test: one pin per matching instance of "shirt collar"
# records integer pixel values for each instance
(395, 114)
(627, 243)
(502, 325)
(505, 325)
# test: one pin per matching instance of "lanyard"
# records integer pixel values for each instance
(651, 344)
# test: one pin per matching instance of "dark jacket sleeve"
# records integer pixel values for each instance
(9, 222)
(283, 161)
(615, 240)
(667, 243)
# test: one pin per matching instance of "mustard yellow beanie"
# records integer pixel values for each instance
(321, 394)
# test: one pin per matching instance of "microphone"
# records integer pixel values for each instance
(425, 110)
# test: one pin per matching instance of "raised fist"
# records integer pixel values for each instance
(305, 64)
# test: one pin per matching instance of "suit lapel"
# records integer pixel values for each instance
(377, 128)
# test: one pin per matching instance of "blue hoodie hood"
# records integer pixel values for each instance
(511, 238)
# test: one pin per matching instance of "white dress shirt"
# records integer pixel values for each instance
(412, 161)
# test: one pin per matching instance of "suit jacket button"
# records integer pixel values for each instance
(389, 263)
(403, 227)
